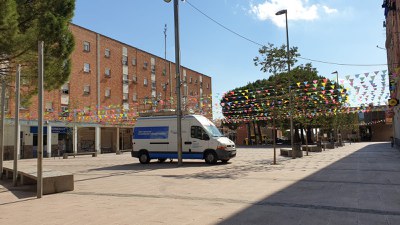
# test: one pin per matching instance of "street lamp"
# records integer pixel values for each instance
(281, 12)
(337, 102)
(178, 80)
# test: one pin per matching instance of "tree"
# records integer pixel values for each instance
(25, 22)
(315, 99)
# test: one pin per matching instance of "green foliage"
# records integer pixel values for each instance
(273, 59)
(262, 99)
(28, 21)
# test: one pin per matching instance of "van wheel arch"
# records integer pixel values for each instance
(144, 157)
(210, 156)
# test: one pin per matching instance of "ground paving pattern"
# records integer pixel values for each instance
(354, 184)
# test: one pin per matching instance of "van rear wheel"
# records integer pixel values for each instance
(210, 157)
(144, 157)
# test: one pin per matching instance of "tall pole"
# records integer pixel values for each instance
(284, 11)
(165, 64)
(3, 105)
(40, 122)
(17, 134)
(178, 82)
(290, 88)
(337, 101)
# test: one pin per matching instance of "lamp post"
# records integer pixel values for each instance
(178, 80)
(337, 101)
(281, 12)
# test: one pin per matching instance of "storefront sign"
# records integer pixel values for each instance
(54, 130)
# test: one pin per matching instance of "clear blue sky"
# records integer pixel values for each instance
(339, 31)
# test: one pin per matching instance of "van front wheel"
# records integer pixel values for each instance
(210, 157)
(144, 157)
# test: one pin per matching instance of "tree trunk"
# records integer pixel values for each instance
(309, 135)
(255, 134)
(296, 136)
(302, 133)
(248, 133)
(259, 133)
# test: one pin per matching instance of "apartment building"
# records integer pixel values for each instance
(110, 84)
(392, 24)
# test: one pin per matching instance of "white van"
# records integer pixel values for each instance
(155, 137)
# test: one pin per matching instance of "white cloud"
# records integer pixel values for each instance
(297, 10)
(329, 10)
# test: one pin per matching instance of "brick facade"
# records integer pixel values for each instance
(392, 23)
(139, 68)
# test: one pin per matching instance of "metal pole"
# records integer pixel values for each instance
(290, 89)
(165, 63)
(40, 122)
(17, 135)
(3, 105)
(337, 122)
(178, 82)
(337, 101)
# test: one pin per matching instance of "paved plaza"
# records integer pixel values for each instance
(354, 184)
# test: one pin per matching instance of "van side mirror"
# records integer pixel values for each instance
(205, 137)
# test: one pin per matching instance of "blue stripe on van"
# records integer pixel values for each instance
(158, 155)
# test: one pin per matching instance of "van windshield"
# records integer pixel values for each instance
(213, 130)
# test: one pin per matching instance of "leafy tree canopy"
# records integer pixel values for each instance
(25, 22)
(257, 100)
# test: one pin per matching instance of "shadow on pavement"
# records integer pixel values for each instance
(362, 188)
(21, 191)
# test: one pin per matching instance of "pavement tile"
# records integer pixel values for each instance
(354, 184)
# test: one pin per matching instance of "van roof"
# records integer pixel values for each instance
(167, 117)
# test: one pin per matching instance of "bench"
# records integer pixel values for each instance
(53, 181)
(106, 150)
(311, 148)
(65, 155)
(329, 145)
(288, 152)
(122, 151)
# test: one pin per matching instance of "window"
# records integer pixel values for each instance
(190, 80)
(86, 67)
(124, 60)
(145, 81)
(86, 46)
(107, 53)
(145, 65)
(134, 79)
(134, 97)
(125, 96)
(198, 133)
(49, 106)
(86, 89)
(208, 86)
(125, 76)
(133, 62)
(153, 85)
(64, 111)
(153, 69)
(65, 89)
(108, 93)
(108, 72)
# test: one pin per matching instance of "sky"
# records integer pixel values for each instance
(220, 38)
